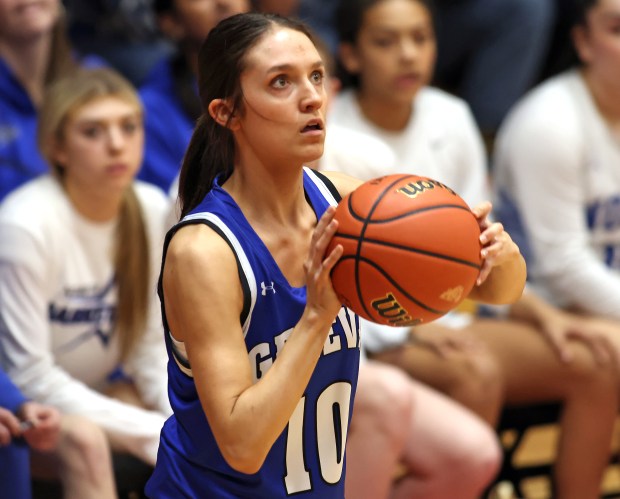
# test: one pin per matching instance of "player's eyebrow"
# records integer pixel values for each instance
(288, 67)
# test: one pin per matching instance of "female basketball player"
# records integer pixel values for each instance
(255, 333)
(388, 50)
(399, 426)
(78, 249)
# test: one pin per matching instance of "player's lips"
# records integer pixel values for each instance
(313, 126)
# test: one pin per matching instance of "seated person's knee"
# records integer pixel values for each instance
(384, 396)
(83, 444)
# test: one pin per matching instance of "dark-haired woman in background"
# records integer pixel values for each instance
(170, 93)
(388, 47)
(34, 51)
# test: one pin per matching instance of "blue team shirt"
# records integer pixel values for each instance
(10, 396)
(14, 458)
(168, 128)
(308, 457)
(20, 159)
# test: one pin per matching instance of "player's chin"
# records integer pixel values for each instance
(312, 153)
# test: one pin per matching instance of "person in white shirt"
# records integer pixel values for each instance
(398, 422)
(388, 51)
(80, 250)
(557, 171)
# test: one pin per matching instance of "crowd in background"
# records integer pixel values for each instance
(516, 101)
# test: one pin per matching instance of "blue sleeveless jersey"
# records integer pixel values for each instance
(307, 459)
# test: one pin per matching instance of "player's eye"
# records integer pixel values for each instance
(279, 82)
(317, 77)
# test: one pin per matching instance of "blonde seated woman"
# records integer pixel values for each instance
(79, 252)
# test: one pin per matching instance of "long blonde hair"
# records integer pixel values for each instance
(131, 254)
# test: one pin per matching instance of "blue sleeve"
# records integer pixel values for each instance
(10, 397)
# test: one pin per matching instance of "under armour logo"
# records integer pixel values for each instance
(266, 288)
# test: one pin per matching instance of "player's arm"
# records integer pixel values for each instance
(204, 300)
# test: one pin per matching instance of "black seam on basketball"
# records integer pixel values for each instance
(395, 284)
(425, 252)
(360, 218)
(420, 210)
(409, 213)
(363, 231)
(412, 249)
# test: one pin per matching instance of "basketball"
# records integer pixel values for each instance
(411, 250)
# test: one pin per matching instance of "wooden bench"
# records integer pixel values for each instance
(515, 423)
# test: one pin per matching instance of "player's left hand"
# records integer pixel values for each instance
(497, 245)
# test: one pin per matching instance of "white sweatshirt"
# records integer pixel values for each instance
(441, 141)
(57, 308)
(557, 175)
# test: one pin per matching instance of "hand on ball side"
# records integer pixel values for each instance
(498, 247)
(321, 297)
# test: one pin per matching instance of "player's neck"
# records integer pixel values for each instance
(264, 196)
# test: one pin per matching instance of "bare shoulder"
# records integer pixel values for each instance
(342, 182)
(201, 285)
(196, 248)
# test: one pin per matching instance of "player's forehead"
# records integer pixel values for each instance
(282, 48)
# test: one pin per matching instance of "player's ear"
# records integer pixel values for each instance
(348, 57)
(221, 110)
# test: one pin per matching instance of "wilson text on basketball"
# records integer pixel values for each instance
(389, 308)
(413, 189)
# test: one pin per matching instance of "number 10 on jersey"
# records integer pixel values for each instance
(332, 419)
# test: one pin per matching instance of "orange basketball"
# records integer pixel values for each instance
(411, 250)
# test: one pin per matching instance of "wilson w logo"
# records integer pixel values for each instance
(389, 308)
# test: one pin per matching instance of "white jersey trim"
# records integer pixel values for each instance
(321, 186)
(180, 352)
(243, 259)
